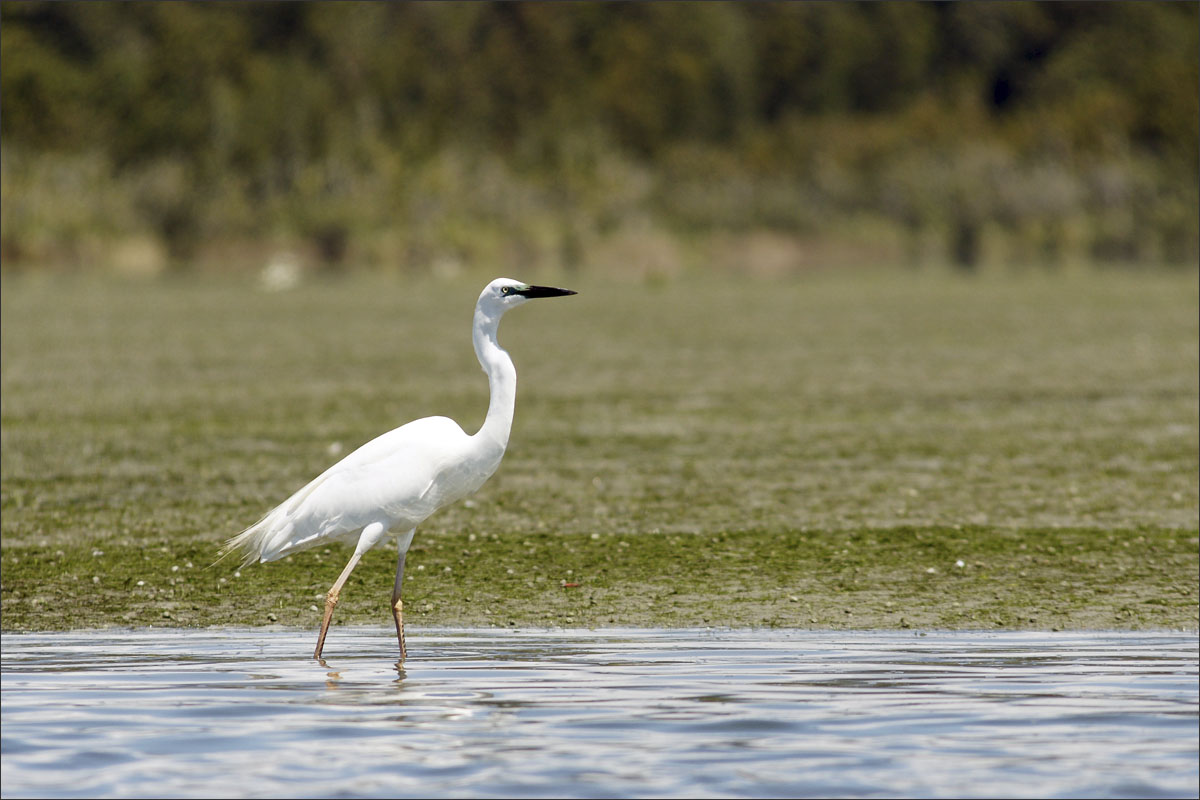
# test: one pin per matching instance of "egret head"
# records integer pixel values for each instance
(505, 293)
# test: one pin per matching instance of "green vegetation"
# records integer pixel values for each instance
(889, 578)
(690, 452)
(419, 136)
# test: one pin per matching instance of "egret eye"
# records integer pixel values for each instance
(505, 290)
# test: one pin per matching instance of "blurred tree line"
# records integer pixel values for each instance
(582, 135)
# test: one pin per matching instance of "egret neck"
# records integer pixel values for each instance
(502, 381)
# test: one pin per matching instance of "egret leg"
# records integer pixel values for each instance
(370, 536)
(397, 604)
(398, 607)
(331, 601)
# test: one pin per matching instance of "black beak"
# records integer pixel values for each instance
(542, 291)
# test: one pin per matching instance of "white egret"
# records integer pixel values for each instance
(397, 480)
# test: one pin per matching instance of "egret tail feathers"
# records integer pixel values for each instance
(254, 542)
(265, 539)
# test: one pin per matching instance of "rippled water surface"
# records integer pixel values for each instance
(171, 713)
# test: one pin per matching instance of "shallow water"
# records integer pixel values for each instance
(646, 713)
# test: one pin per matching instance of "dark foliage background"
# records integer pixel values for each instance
(647, 138)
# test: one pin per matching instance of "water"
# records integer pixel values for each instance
(186, 713)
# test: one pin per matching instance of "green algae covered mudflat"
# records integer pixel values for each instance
(833, 451)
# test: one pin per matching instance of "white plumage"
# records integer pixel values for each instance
(396, 481)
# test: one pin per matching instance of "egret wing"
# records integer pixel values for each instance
(389, 472)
